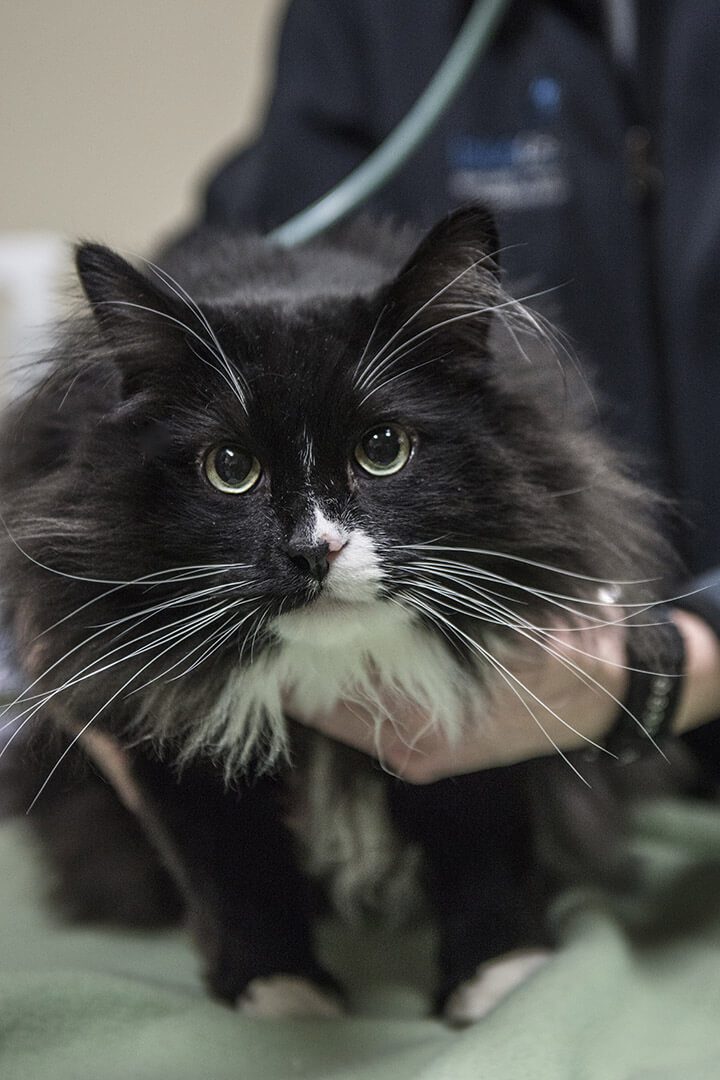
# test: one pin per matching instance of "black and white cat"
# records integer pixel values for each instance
(256, 469)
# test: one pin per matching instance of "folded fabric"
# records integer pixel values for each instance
(632, 993)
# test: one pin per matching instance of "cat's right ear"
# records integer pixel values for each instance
(136, 316)
(451, 282)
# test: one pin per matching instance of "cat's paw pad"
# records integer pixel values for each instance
(492, 982)
(288, 996)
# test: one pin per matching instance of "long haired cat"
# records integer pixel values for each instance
(251, 470)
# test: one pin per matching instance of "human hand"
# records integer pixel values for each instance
(560, 699)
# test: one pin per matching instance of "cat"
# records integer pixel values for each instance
(330, 469)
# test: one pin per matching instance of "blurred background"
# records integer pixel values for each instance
(112, 112)
(110, 117)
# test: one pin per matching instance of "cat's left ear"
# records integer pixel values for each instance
(452, 278)
(120, 296)
(139, 318)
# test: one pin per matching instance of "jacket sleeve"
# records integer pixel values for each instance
(316, 128)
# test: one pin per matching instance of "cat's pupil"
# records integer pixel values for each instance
(382, 446)
(232, 464)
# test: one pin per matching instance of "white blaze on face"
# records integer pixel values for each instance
(329, 532)
(355, 572)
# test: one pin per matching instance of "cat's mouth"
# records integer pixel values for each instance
(353, 576)
(330, 622)
(325, 601)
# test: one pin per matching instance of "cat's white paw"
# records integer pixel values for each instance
(492, 981)
(287, 995)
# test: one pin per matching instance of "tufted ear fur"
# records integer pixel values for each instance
(451, 279)
(120, 296)
(138, 318)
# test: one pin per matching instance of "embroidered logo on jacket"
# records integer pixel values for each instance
(522, 170)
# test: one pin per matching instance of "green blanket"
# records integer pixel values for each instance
(638, 997)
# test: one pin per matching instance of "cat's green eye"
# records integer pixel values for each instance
(383, 450)
(232, 469)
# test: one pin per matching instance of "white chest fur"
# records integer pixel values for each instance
(333, 652)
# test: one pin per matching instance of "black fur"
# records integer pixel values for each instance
(102, 486)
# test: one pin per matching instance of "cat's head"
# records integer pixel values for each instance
(311, 440)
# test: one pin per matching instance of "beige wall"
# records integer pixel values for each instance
(112, 111)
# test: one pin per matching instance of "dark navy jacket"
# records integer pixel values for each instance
(605, 182)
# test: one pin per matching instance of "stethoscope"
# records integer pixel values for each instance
(388, 158)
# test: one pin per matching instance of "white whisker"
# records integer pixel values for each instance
(400, 375)
(182, 294)
(182, 628)
(473, 313)
(210, 644)
(362, 377)
(509, 678)
(92, 719)
(528, 562)
(22, 696)
(527, 630)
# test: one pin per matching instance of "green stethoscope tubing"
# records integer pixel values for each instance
(381, 165)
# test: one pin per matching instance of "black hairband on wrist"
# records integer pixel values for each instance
(652, 697)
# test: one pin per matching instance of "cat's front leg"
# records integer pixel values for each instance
(249, 906)
(483, 881)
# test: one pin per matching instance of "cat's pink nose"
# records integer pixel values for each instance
(335, 541)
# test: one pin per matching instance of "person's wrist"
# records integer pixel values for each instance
(656, 674)
(700, 697)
